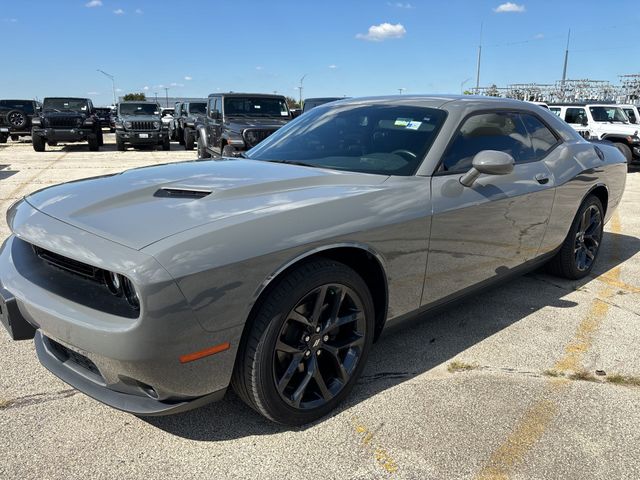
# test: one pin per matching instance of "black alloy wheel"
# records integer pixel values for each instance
(319, 346)
(588, 238)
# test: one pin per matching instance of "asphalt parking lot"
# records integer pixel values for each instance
(539, 378)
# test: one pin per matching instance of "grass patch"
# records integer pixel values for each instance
(458, 366)
(624, 380)
(583, 375)
(553, 373)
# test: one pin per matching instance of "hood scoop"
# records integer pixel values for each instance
(181, 193)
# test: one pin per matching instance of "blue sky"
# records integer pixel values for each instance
(353, 48)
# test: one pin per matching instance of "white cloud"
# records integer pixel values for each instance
(139, 11)
(400, 5)
(258, 67)
(93, 93)
(174, 84)
(384, 31)
(93, 4)
(145, 88)
(10, 20)
(188, 77)
(118, 89)
(539, 36)
(509, 7)
(119, 11)
(333, 67)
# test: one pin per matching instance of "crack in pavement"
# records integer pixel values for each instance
(37, 398)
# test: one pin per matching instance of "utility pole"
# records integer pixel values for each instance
(300, 88)
(156, 94)
(479, 59)
(113, 83)
(166, 96)
(400, 90)
(564, 69)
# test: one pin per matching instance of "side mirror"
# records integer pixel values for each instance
(490, 162)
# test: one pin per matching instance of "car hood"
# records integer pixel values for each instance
(142, 206)
(239, 124)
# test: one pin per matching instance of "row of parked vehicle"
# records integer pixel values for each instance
(228, 124)
(222, 124)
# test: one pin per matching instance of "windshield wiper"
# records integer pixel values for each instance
(292, 162)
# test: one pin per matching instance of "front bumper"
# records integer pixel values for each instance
(63, 134)
(132, 364)
(142, 138)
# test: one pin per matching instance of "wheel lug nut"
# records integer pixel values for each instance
(307, 338)
(318, 352)
(325, 338)
(317, 329)
(307, 353)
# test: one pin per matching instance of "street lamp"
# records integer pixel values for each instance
(113, 83)
(166, 96)
(462, 86)
(400, 90)
(300, 88)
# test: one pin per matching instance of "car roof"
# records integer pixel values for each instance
(437, 101)
(65, 98)
(16, 100)
(321, 99)
(240, 94)
(139, 101)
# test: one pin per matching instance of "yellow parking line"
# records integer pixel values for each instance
(533, 424)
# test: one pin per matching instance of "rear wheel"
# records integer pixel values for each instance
(100, 138)
(38, 143)
(307, 343)
(52, 143)
(580, 249)
(120, 146)
(202, 149)
(15, 138)
(626, 151)
(187, 140)
(17, 119)
(3, 137)
(166, 143)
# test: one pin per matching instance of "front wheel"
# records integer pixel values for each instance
(581, 247)
(626, 151)
(3, 137)
(306, 344)
(187, 140)
(166, 144)
(202, 148)
(38, 143)
(120, 146)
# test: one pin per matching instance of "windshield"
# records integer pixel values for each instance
(381, 139)
(64, 105)
(316, 102)
(139, 109)
(198, 107)
(608, 114)
(256, 107)
(24, 106)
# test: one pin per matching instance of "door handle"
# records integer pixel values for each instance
(542, 178)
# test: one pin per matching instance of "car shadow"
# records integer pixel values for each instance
(413, 346)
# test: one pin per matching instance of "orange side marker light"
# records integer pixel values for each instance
(190, 357)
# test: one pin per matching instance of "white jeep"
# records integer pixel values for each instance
(602, 122)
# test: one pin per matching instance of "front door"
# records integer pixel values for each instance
(483, 231)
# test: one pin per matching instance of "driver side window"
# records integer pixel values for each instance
(502, 131)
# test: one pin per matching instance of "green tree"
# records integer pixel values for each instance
(292, 102)
(135, 96)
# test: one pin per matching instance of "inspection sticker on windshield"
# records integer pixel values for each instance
(402, 122)
(414, 125)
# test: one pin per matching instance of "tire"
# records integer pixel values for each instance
(580, 249)
(277, 344)
(187, 140)
(120, 146)
(626, 151)
(15, 138)
(17, 119)
(38, 143)
(166, 144)
(92, 139)
(180, 133)
(202, 150)
(3, 137)
(52, 144)
(228, 151)
(100, 138)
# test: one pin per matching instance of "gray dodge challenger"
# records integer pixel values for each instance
(156, 289)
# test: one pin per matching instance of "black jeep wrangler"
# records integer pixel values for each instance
(15, 118)
(191, 113)
(140, 124)
(235, 122)
(66, 119)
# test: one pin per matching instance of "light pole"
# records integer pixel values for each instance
(400, 90)
(479, 59)
(156, 94)
(113, 83)
(300, 88)
(462, 86)
(166, 96)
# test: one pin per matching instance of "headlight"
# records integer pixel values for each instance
(156, 125)
(127, 124)
(118, 125)
(88, 122)
(130, 293)
(120, 285)
(35, 121)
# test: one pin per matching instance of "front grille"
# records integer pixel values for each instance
(253, 136)
(66, 354)
(142, 125)
(70, 265)
(62, 122)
